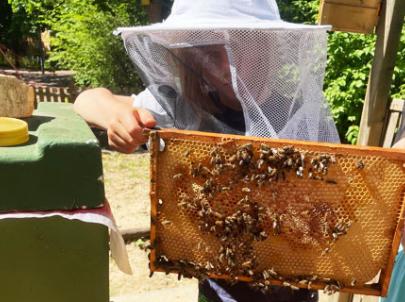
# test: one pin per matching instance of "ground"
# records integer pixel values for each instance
(127, 189)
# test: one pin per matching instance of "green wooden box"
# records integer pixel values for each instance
(53, 259)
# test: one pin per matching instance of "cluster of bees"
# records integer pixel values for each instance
(262, 282)
(237, 229)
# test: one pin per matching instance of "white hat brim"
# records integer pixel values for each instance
(265, 25)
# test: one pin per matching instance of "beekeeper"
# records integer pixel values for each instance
(229, 66)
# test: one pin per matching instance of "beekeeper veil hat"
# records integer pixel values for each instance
(234, 66)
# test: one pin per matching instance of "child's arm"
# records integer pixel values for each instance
(123, 122)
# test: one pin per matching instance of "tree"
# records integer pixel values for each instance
(82, 38)
(349, 63)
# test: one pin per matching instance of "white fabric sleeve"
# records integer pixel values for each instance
(146, 100)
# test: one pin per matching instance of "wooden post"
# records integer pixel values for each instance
(377, 97)
(155, 11)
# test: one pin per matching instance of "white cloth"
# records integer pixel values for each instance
(146, 100)
(101, 216)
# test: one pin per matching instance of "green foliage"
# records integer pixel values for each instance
(14, 26)
(299, 11)
(349, 61)
(84, 43)
(82, 38)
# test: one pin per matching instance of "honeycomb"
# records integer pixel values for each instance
(331, 214)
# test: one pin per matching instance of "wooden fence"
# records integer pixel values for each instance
(55, 94)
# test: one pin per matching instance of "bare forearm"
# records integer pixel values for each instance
(115, 113)
(98, 106)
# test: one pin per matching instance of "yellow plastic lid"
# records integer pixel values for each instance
(13, 132)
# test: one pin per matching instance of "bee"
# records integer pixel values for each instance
(231, 263)
(300, 171)
(325, 251)
(163, 258)
(219, 223)
(327, 290)
(305, 213)
(260, 163)
(353, 282)
(276, 226)
(232, 159)
(293, 287)
(285, 283)
(208, 186)
(166, 222)
(360, 165)
(223, 189)
(264, 149)
(182, 204)
(217, 215)
(216, 158)
(266, 275)
(209, 266)
(331, 181)
(262, 236)
(272, 272)
(247, 146)
(206, 172)
(195, 170)
(247, 264)
(314, 278)
(246, 190)
(177, 176)
(289, 149)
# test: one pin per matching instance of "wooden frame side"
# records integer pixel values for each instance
(387, 273)
(154, 149)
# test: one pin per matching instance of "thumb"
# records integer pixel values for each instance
(145, 118)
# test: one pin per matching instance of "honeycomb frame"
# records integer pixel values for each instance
(365, 186)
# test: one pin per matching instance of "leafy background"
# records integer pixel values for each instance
(82, 41)
(349, 62)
